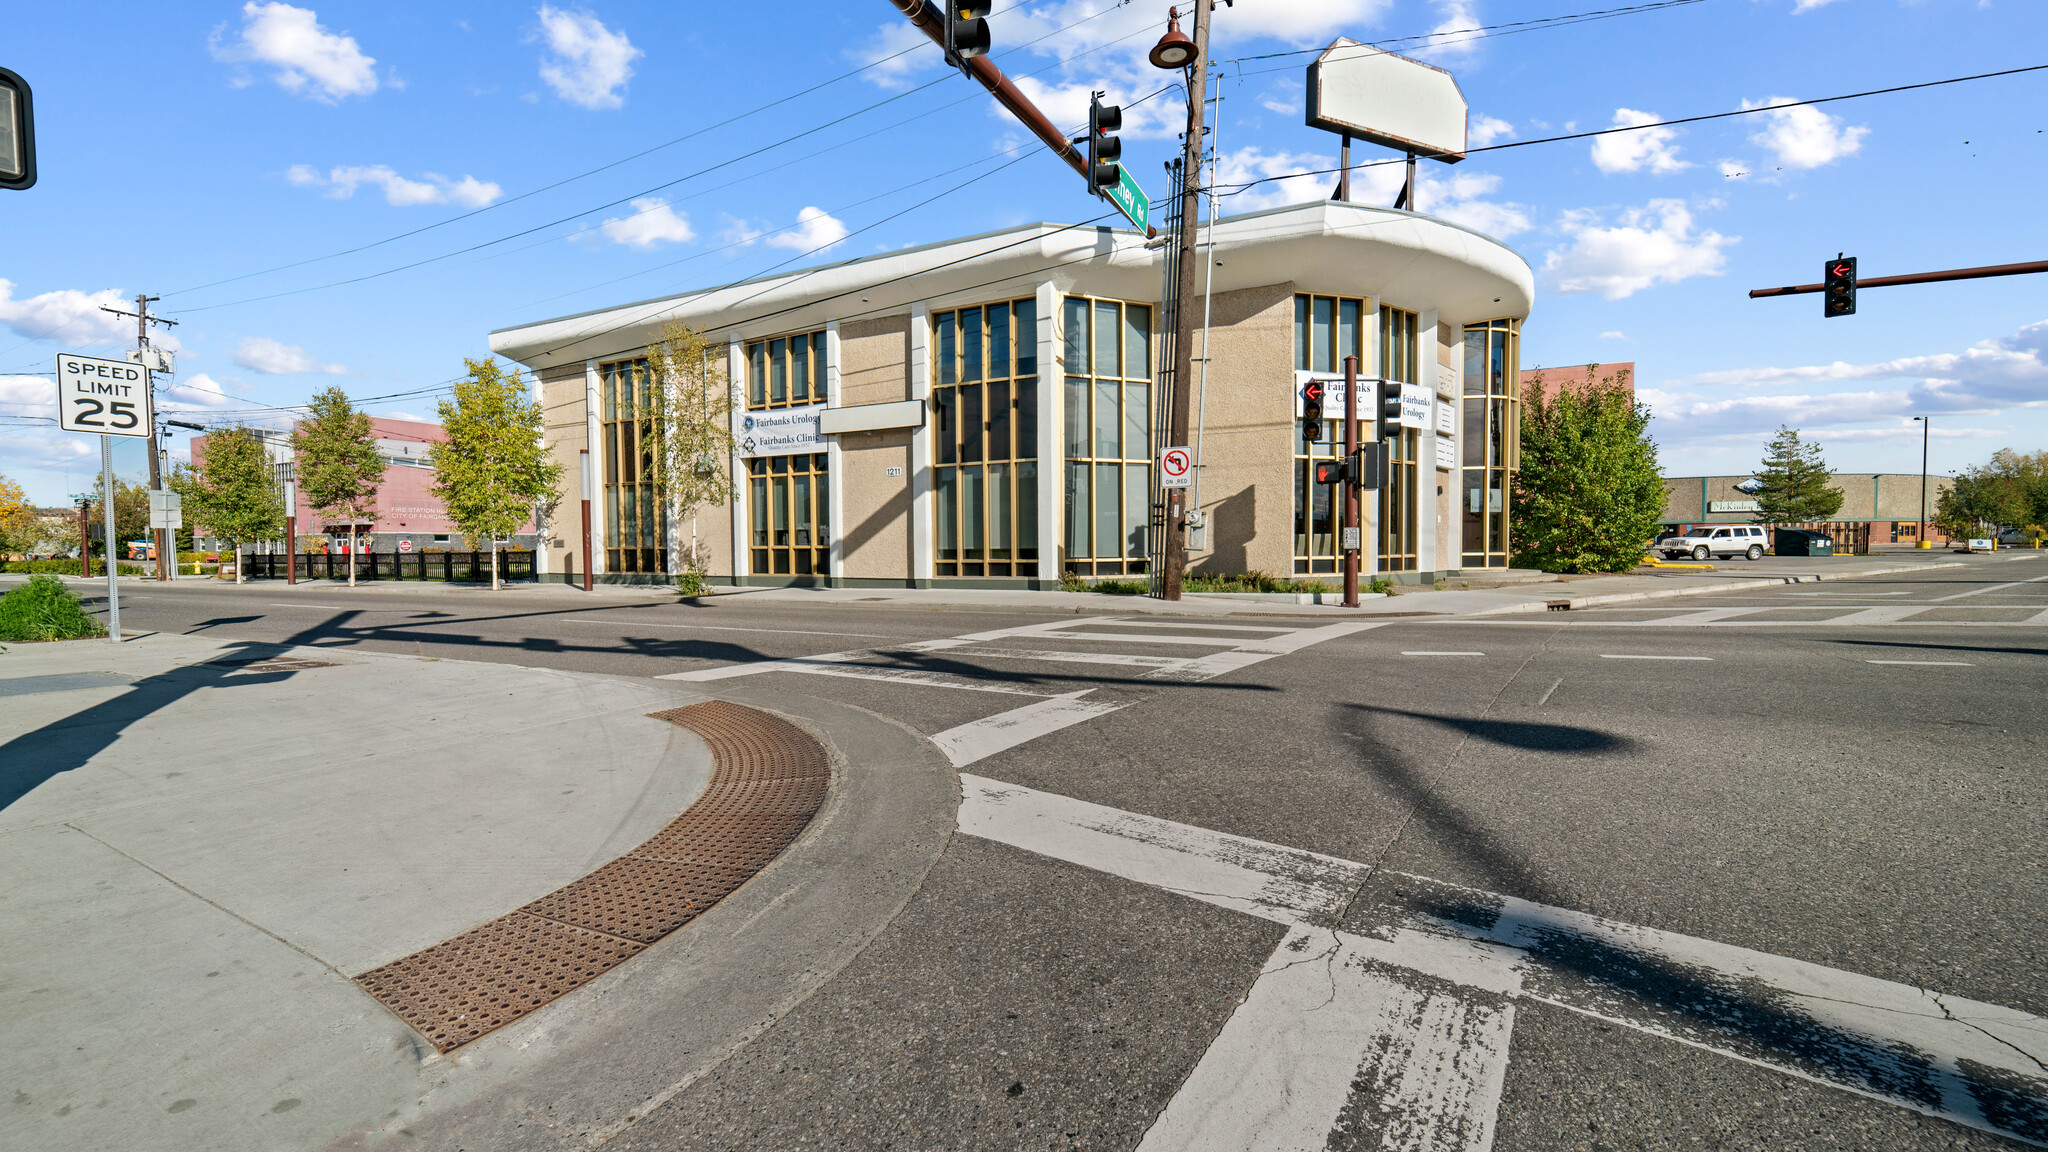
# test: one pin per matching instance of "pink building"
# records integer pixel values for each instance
(409, 517)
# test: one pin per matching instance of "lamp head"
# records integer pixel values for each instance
(1174, 50)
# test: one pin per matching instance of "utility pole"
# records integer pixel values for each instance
(1352, 526)
(164, 536)
(1184, 293)
(1925, 540)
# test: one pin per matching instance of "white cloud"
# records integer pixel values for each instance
(590, 62)
(305, 58)
(739, 233)
(1654, 244)
(1634, 151)
(196, 392)
(816, 230)
(1457, 195)
(1487, 130)
(341, 183)
(1284, 98)
(1613, 336)
(67, 315)
(1799, 6)
(898, 51)
(1733, 170)
(1804, 137)
(1990, 376)
(1453, 32)
(653, 222)
(1251, 163)
(28, 396)
(262, 354)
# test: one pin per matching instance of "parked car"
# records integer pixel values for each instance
(1802, 542)
(1719, 542)
(2014, 538)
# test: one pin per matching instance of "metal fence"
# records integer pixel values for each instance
(469, 567)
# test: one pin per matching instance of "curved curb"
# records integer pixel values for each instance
(769, 778)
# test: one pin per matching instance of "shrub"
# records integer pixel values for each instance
(43, 609)
(690, 584)
(1382, 585)
(63, 568)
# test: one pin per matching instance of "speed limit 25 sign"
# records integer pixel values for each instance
(110, 397)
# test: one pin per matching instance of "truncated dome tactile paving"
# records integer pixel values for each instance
(768, 779)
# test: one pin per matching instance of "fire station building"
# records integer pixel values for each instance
(987, 411)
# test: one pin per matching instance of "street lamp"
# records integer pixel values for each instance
(1174, 50)
(1925, 422)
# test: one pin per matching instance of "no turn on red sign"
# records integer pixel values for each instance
(110, 397)
(1176, 467)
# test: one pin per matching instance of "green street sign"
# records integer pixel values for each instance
(1130, 199)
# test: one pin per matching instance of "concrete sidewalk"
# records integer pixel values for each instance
(200, 856)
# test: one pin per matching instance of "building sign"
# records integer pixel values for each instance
(1734, 506)
(781, 431)
(1447, 419)
(1418, 406)
(1446, 453)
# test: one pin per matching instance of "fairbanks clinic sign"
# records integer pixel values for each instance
(781, 431)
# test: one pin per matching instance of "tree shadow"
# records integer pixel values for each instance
(1526, 735)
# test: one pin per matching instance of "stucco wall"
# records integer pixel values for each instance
(874, 517)
(1247, 444)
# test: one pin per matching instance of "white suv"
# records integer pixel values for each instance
(1718, 542)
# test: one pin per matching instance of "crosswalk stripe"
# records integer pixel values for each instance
(1054, 657)
(1884, 614)
(1978, 1064)
(980, 739)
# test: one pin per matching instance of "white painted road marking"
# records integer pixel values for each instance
(1927, 663)
(625, 623)
(1426, 653)
(1629, 656)
(1992, 588)
(1978, 1064)
(321, 607)
(982, 738)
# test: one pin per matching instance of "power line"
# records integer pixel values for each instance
(1510, 28)
(1236, 188)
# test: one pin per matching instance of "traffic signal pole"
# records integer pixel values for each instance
(931, 18)
(1176, 559)
(1352, 528)
(1912, 278)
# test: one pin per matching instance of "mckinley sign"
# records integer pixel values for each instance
(781, 431)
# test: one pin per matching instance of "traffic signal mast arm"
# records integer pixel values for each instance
(931, 17)
(1912, 278)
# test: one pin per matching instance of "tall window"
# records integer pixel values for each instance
(789, 514)
(635, 520)
(985, 439)
(1399, 499)
(1326, 330)
(785, 371)
(790, 526)
(1108, 435)
(1492, 431)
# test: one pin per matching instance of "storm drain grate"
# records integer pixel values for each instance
(273, 664)
(767, 781)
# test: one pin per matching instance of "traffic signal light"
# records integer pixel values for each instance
(966, 31)
(1312, 411)
(1104, 149)
(1390, 407)
(17, 133)
(1838, 287)
(1333, 471)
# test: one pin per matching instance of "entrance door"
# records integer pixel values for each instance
(791, 522)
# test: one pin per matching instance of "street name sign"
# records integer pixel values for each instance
(1130, 199)
(110, 397)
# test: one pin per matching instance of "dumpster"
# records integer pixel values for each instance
(1802, 542)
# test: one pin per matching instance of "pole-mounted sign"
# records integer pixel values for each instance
(109, 397)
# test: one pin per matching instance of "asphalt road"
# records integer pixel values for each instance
(1740, 787)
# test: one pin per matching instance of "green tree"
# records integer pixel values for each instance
(18, 520)
(693, 439)
(234, 493)
(493, 471)
(1589, 494)
(131, 511)
(1795, 482)
(338, 467)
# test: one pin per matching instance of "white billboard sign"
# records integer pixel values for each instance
(110, 397)
(1386, 99)
(782, 431)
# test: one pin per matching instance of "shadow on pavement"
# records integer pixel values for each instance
(1944, 647)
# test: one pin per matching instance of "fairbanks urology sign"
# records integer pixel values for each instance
(781, 431)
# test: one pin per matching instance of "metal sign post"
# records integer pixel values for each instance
(107, 515)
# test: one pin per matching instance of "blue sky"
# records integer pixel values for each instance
(184, 145)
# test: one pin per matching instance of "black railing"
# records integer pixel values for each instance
(453, 567)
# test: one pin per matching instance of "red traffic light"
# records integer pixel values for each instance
(1312, 391)
(1329, 471)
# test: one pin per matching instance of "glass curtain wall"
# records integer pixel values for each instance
(1326, 330)
(789, 515)
(985, 440)
(635, 514)
(1492, 434)
(1399, 499)
(1108, 436)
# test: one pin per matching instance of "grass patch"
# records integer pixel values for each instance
(1252, 581)
(43, 609)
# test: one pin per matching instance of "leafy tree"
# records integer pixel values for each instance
(1795, 482)
(1589, 494)
(693, 439)
(131, 510)
(234, 493)
(494, 470)
(18, 522)
(338, 466)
